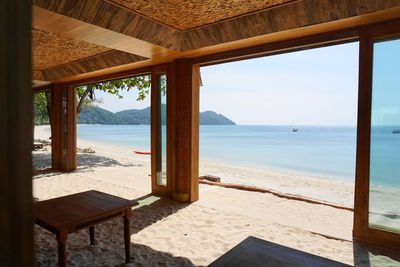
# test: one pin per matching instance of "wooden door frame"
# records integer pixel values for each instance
(157, 189)
(361, 230)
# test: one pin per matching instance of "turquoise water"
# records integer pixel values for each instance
(385, 156)
(320, 151)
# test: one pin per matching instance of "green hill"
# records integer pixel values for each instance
(96, 115)
(212, 118)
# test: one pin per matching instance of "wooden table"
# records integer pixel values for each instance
(257, 252)
(68, 214)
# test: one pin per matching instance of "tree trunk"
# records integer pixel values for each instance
(82, 100)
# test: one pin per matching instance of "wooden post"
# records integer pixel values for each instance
(63, 130)
(183, 80)
(16, 214)
(361, 197)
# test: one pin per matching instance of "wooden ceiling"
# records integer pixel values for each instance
(184, 15)
(50, 50)
(84, 38)
(55, 56)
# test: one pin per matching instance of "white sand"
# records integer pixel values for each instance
(167, 233)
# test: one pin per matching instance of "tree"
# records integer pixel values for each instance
(86, 94)
(41, 115)
(142, 83)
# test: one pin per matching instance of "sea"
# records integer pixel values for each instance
(320, 151)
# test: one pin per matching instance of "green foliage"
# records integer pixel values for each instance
(86, 99)
(142, 83)
(40, 109)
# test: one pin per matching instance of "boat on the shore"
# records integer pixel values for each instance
(142, 153)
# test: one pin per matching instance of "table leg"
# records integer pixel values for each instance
(91, 232)
(127, 234)
(62, 248)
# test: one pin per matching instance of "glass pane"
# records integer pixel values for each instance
(384, 194)
(162, 159)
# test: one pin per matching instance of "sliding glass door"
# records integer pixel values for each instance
(377, 191)
(384, 173)
(159, 179)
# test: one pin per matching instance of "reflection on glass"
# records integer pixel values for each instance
(384, 194)
(162, 146)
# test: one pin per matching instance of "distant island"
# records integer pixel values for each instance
(96, 115)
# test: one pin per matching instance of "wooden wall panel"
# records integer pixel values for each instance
(16, 213)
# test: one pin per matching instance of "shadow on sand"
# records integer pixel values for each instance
(109, 249)
(42, 163)
(152, 209)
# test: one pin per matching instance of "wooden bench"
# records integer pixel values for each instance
(68, 214)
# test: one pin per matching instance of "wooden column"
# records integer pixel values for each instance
(16, 215)
(63, 127)
(361, 197)
(183, 80)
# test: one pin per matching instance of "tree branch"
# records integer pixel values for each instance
(83, 97)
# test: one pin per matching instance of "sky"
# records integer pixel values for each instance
(311, 87)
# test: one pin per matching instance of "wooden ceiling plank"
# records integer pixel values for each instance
(185, 15)
(282, 18)
(53, 22)
(103, 61)
(102, 14)
(234, 34)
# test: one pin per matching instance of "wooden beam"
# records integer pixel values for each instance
(63, 127)
(41, 86)
(183, 80)
(295, 15)
(38, 75)
(16, 213)
(114, 76)
(103, 61)
(326, 33)
(360, 225)
(297, 44)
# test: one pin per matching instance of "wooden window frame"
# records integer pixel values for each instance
(361, 230)
(157, 189)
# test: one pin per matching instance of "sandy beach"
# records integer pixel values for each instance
(167, 233)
